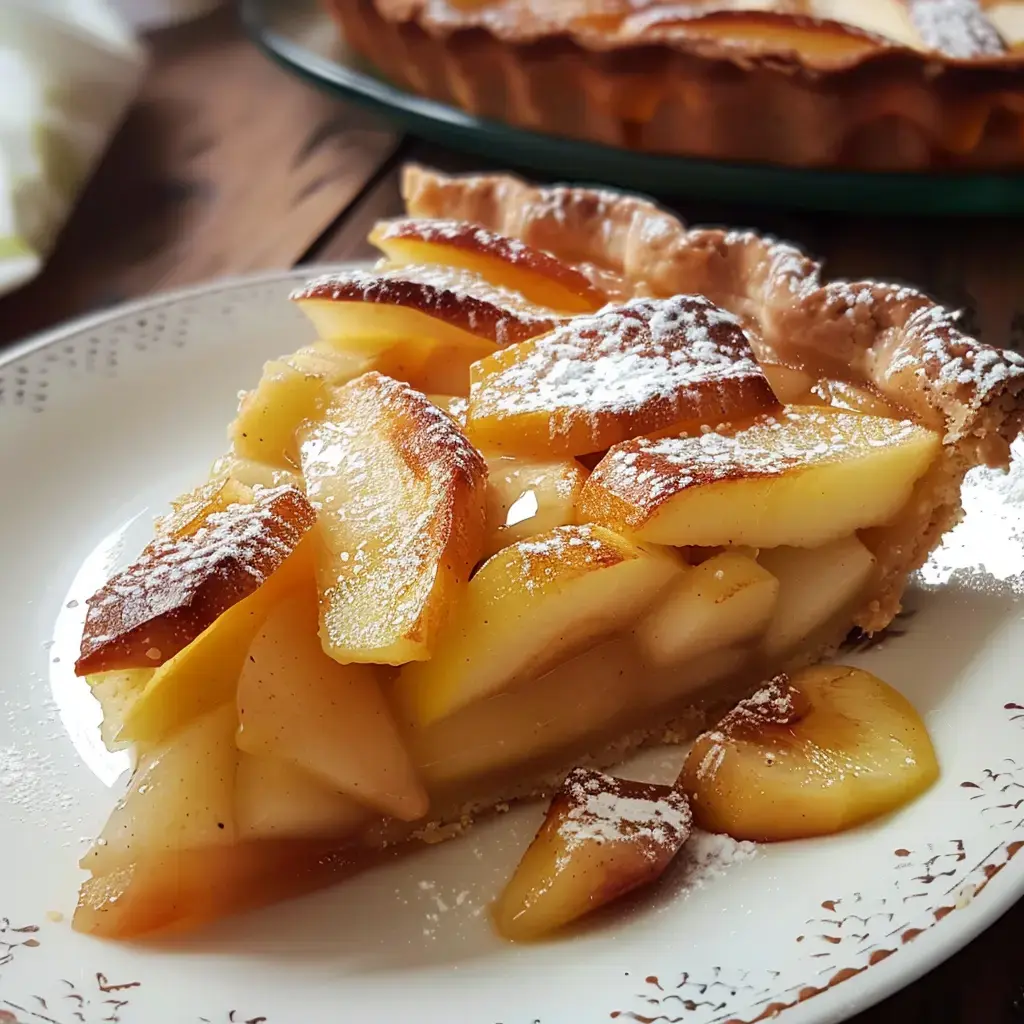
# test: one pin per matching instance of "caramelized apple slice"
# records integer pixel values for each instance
(274, 799)
(177, 588)
(726, 601)
(433, 304)
(819, 753)
(293, 389)
(181, 797)
(530, 606)
(526, 497)
(603, 837)
(176, 892)
(331, 720)
(400, 493)
(652, 365)
(816, 587)
(505, 262)
(804, 478)
(146, 705)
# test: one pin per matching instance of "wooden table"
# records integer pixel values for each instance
(226, 165)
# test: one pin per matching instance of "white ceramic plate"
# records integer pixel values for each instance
(104, 421)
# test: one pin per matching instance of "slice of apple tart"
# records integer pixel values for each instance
(560, 478)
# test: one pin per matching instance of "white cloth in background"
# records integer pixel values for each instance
(68, 70)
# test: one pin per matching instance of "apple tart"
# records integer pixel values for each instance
(561, 477)
(903, 85)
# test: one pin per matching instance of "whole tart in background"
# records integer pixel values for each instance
(899, 85)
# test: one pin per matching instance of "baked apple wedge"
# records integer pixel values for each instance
(603, 837)
(530, 606)
(651, 365)
(178, 588)
(298, 705)
(503, 261)
(400, 499)
(275, 799)
(802, 478)
(823, 751)
(433, 304)
(181, 797)
(292, 389)
(527, 496)
(817, 588)
(725, 601)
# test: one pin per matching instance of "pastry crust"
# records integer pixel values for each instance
(894, 339)
(869, 84)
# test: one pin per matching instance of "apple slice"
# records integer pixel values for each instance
(652, 365)
(176, 589)
(803, 478)
(179, 891)
(190, 512)
(726, 601)
(505, 262)
(331, 720)
(255, 474)
(603, 837)
(146, 705)
(433, 304)
(792, 386)
(816, 586)
(400, 494)
(181, 797)
(530, 606)
(527, 497)
(823, 751)
(292, 389)
(274, 799)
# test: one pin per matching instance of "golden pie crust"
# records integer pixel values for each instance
(865, 84)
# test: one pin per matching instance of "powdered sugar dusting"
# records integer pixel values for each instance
(957, 28)
(707, 856)
(647, 353)
(603, 809)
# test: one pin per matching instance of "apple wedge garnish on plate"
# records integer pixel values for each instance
(809, 755)
(506, 262)
(177, 588)
(332, 721)
(529, 607)
(603, 837)
(400, 499)
(802, 478)
(649, 366)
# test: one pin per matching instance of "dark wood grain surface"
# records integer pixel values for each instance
(226, 165)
